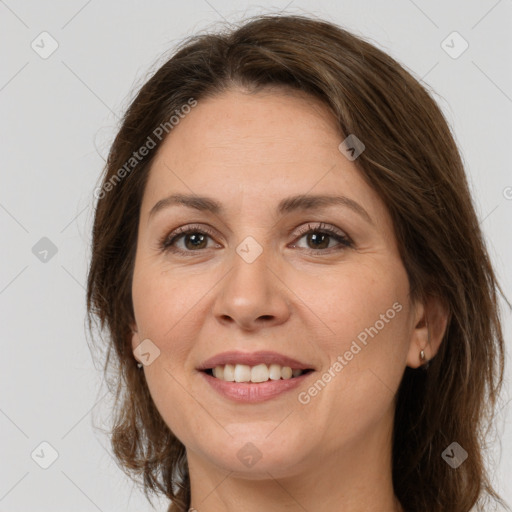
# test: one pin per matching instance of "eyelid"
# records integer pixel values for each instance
(321, 226)
(183, 230)
(165, 243)
(343, 239)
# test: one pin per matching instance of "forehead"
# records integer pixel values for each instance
(262, 146)
(268, 123)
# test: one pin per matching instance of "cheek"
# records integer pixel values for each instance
(164, 311)
(162, 300)
(358, 301)
(367, 315)
(176, 404)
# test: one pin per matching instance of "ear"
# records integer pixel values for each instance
(135, 341)
(430, 323)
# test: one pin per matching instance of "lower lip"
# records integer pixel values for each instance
(250, 392)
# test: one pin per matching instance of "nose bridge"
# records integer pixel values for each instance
(251, 293)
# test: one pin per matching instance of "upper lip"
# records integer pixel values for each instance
(253, 359)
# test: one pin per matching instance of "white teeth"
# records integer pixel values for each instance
(218, 372)
(258, 373)
(275, 372)
(242, 373)
(229, 373)
(286, 372)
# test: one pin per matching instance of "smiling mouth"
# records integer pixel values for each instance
(254, 374)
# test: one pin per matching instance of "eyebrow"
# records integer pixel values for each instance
(290, 204)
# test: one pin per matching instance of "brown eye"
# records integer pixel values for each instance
(192, 239)
(318, 238)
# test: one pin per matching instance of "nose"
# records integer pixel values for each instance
(252, 296)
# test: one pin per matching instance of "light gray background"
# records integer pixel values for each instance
(58, 118)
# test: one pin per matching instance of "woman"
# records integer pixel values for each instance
(300, 306)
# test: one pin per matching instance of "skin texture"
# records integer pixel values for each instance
(249, 151)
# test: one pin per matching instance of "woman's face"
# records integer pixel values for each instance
(261, 274)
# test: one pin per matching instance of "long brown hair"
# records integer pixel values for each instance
(411, 160)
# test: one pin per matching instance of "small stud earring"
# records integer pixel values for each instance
(423, 357)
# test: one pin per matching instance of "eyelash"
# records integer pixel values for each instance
(166, 242)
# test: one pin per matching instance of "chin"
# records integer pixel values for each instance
(255, 456)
